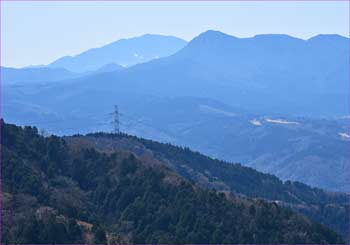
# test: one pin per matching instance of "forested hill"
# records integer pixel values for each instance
(331, 209)
(54, 192)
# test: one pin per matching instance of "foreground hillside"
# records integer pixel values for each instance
(54, 192)
(331, 209)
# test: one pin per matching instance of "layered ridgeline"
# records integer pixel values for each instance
(111, 57)
(270, 73)
(267, 74)
(314, 151)
(64, 191)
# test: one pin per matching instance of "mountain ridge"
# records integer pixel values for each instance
(125, 52)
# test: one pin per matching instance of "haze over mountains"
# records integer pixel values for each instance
(265, 73)
(111, 57)
(269, 73)
(242, 82)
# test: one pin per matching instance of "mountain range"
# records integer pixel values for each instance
(273, 102)
(266, 73)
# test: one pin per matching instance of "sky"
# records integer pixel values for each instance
(34, 33)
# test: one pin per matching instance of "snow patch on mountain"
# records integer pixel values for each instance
(280, 121)
(255, 122)
(344, 136)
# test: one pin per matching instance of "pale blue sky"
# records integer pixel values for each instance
(38, 32)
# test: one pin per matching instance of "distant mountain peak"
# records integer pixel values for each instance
(122, 52)
(209, 39)
(147, 36)
(328, 37)
(212, 34)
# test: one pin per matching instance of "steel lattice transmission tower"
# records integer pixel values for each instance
(116, 120)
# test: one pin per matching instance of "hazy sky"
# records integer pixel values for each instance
(38, 32)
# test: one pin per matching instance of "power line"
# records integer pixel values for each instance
(116, 120)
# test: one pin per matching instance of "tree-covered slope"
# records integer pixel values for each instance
(54, 192)
(331, 209)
